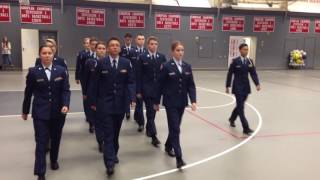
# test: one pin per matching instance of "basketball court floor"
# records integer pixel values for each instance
(285, 145)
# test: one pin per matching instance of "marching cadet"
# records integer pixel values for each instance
(56, 59)
(91, 65)
(176, 84)
(49, 85)
(81, 59)
(148, 68)
(240, 68)
(138, 50)
(110, 97)
(84, 80)
(127, 52)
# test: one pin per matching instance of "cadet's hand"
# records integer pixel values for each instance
(133, 104)
(156, 107)
(64, 110)
(139, 96)
(94, 108)
(84, 97)
(258, 88)
(228, 90)
(24, 116)
(194, 106)
(77, 81)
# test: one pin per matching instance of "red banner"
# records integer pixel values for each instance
(90, 17)
(167, 21)
(36, 14)
(131, 19)
(233, 23)
(264, 24)
(298, 25)
(5, 15)
(317, 26)
(201, 22)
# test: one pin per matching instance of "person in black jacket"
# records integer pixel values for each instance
(240, 68)
(49, 85)
(176, 84)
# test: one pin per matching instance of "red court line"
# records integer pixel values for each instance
(257, 136)
(212, 124)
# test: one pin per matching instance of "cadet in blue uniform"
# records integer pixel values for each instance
(84, 81)
(127, 52)
(91, 65)
(110, 97)
(176, 84)
(81, 59)
(148, 69)
(49, 85)
(138, 50)
(56, 59)
(240, 68)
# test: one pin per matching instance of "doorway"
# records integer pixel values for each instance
(30, 47)
(234, 43)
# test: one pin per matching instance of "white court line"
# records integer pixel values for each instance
(22, 90)
(216, 155)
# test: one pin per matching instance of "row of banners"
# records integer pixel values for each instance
(37, 14)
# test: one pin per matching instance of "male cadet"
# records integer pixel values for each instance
(240, 67)
(110, 97)
(148, 69)
(84, 80)
(138, 50)
(127, 52)
(82, 55)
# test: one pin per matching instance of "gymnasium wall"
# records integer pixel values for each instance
(272, 48)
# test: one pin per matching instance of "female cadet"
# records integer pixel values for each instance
(176, 84)
(90, 68)
(56, 59)
(49, 85)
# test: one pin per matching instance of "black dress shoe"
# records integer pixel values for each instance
(170, 152)
(141, 128)
(100, 146)
(55, 166)
(180, 163)
(41, 177)
(155, 141)
(232, 124)
(128, 116)
(116, 160)
(91, 129)
(248, 131)
(110, 170)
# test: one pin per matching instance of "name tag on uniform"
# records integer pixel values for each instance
(123, 71)
(172, 74)
(40, 80)
(104, 72)
(250, 65)
(58, 79)
(187, 73)
(238, 66)
(145, 63)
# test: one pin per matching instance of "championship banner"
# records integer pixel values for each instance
(233, 23)
(5, 15)
(90, 17)
(264, 24)
(131, 19)
(299, 25)
(36, 14)
(201, 22)
(317, 26)
(167, 21)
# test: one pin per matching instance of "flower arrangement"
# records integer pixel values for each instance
(297, 59)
